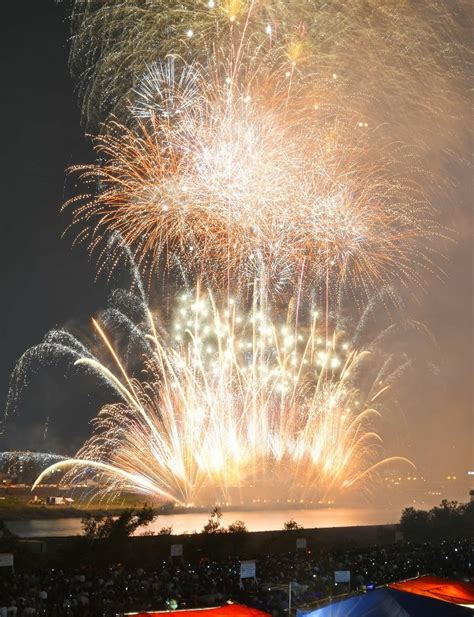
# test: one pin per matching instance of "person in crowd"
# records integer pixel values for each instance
(106, 591)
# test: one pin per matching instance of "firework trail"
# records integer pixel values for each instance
(256, 149)
(234, 187)
(229, 398)
(400, 63)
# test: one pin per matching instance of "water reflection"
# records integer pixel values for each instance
(255, 520)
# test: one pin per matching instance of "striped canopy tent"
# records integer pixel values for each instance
(457, 592)
(230, 610)
(387, 602)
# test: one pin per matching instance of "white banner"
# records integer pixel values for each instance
(6, 560)
(301, 544)
(176, 550)
(342, 576)
(247, 569)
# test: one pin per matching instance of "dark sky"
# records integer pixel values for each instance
(45, 282)
(48, 283)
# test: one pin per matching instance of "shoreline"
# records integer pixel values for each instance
(144, 549)
(21, 512)
(193, 523)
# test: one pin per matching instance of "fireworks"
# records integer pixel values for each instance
(233, 186)
(28, 462)
(166, 90)
(235, 399)
(253, 149)
(399, 62)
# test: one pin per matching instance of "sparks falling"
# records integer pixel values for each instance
(233, 399)
(399, 63)
(254, 151)
(234, 185)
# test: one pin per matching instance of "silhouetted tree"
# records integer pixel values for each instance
(166, 531)
(448, 520)
(291, 525)
(237, 527)
(445, 518)
(120, 528)
(213, 525)
(466, 511)
(415, 524)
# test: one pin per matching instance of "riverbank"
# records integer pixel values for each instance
(18, 509)
(143, 550)
(193, 522)
(16, 504)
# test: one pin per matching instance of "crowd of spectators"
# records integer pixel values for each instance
(108, 591)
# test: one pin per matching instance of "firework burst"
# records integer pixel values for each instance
(405, 59)
(167, 90)
(234, 187)
(255, 147)
(233, 398)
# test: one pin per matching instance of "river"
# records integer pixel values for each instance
(255, 520)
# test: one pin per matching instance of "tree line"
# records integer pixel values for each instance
(448, 520)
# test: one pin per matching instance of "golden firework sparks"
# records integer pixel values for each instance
(237, 184)
(237, 398)
(405, 59)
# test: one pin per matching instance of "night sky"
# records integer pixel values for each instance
(48, 283)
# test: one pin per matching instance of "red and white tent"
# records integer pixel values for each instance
(457, 592)
(229, 610)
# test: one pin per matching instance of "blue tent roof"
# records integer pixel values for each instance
(389, 603)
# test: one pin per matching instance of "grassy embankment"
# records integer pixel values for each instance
(15, 506)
